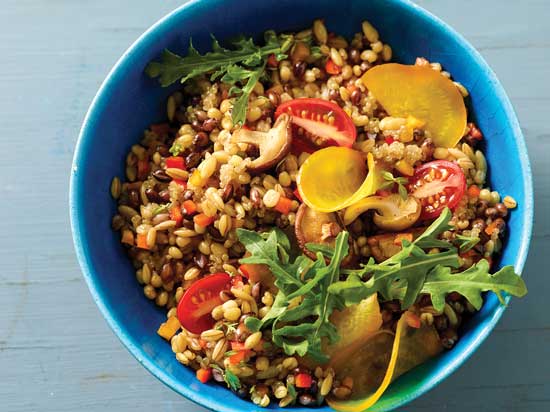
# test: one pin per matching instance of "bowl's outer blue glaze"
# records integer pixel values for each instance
(128, 102)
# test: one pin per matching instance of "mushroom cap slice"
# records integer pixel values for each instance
(317, 227)
(273, 144)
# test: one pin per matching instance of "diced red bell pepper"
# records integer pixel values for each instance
(297, 195)
(189, 207)
(141, 241)
(176, 162)
(303, 380)
(238, 357)
(272, 61)
(332, 68)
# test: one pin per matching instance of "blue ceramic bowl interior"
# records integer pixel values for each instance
(128, 102)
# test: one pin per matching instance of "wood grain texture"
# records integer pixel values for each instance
(56, 351)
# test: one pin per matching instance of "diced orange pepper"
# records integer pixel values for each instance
(402, 236)
(204, 375)
(238, 357)
(142, 169)
(203, 343)
(175, 214)
(189, 207)
(141, 241)
(491, 227)
(235, 345)
(303, 380)
(473, 191)
(284, 205)
(202, 220)
(169, 328)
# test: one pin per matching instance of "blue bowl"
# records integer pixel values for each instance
(128, 102)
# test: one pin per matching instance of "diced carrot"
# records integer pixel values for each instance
(169, 328)
(332, 68)
(189, 207)
(204, 375)
(235, 345)
(412, 320)
(175, 214)
(160, 129)
(297, 195)
(473, 191)
(180, 182)
(142, 169)
(284, 205)
(176, 162)
(400, 236)
(203, 343)
(491, 227)
(351, 88)
(127, 237)
(141, 241)
(303, 380)
(238, 357)
(202, 220)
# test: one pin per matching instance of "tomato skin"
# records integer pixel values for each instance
(341, 132)
(198, 301)
(438, 178)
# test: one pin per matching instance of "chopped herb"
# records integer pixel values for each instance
(291, 392)
(230, 353)
(232, 380)
(465, 243)
(162, 209)
(176, 149)
(390, 180)
(244, 64)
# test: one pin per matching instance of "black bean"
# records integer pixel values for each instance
(163, 150)
(228, 192)
(306, 399)
(209, 125)
(314, 387)
(196, 125)
(481, 207)
(200, 260)
(354, 56)
(201, 140)
(356, 97)
(501, 209)
(365, 66)
(167, 273)
(252, 151)
(448, 338)
(164, 195)
(299, 69)
(133, 198)
(334, 95)
(188, 195)
(428, 148)
(193, 159)
(242, 392)
(255, 197)
(274, 98)
(153, 195)
(161, 176)
(490, 212)
(500, 224)
(215, 234)
(479, 224)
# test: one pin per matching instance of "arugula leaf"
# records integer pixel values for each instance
(299, 329)
(232, 380)
(244, 64)
(412, 272)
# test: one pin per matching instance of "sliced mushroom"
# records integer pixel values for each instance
(313, 226)
(393, 213)
(273, 145)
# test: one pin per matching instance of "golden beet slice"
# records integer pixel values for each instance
(421, 92)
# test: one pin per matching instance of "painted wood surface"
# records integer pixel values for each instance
(56, 351)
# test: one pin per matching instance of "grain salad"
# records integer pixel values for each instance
(315, 219)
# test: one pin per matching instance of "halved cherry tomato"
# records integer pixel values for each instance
(198, 301)
(437, 185)
(319, 121)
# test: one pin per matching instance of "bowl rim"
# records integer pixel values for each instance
(78, 232)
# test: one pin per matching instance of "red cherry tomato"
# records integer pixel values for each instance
(319, 121)
(198, 301)
(437, 185)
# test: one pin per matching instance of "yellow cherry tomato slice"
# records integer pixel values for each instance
(423, 93)
(382, 359)
(335, 177)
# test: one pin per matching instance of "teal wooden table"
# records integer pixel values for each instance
(56, 351)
